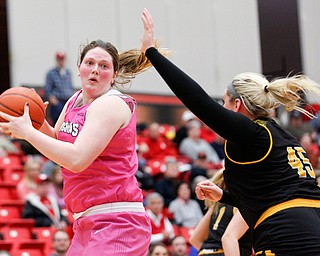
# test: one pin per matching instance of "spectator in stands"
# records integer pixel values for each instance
(143, 176)
(60, 243)
(162, 229)
(311, 148)
(186, 211)
(56, 189)
(48, 167)
(154, 145)
(206, 133)
(297, 127)
(158, 249)
(165, 186)
(218, 145)
(7, 146)
(28, 184)
(58, 86)
(193, 144)
(44, 208)
(179, 246)
(202, 166)
(275, 117)
(145, 180)
(194, 183)
(181, 132)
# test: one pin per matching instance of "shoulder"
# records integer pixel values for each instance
(109, 102)
(194, 203)
(32, 197)
(174, 204)
(111, 109)
(52, 70)
(229, 209)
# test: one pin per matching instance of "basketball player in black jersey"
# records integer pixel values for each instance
(212, 236)
(268, 174)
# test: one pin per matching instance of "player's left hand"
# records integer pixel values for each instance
(147, 40)
(207, 189)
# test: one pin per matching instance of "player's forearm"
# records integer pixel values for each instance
(201, 231)
(60, 152)
(230, 246)
(47, 129)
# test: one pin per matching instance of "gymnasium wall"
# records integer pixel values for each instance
(212, 40)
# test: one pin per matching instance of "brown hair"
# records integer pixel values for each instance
(128, 63)
(218, 180)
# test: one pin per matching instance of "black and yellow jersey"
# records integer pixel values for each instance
(270, 168)
(218, 224)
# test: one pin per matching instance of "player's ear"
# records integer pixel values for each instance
(237, 104)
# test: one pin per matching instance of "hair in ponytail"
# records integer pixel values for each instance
(259, 95)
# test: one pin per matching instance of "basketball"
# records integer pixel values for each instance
(12, 102)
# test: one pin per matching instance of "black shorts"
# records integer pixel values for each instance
(293, 231)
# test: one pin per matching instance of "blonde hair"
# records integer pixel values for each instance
(28, 166)
(259, 95)
(218, 180)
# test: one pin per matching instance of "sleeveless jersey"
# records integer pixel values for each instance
(218, 224)
(111, 176)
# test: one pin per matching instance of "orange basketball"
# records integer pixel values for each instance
(12, 102)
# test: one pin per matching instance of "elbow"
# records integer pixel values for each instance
(195, 243)
(223, 240)
(75, 165)
(226, 238)
(191, 241)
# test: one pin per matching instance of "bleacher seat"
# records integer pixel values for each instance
(12, 160)
(29, 248)
(27, 252)
(45, 235)
(8, 191)
(13, 174)
(18, 233)
(15, 234)
(156, 166)
(6, 245)
(10, 209)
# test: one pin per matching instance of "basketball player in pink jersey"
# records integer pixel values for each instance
(94, 142)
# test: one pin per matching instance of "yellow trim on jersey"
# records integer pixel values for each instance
(298, 202)
(265, 253)
(210, 251)
(263, 124)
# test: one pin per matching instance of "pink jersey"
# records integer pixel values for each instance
(111, 177)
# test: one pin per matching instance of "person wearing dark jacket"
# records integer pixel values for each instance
(44, 208)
